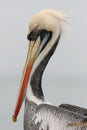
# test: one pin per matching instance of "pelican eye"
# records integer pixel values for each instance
(33, 35)
(36, 33)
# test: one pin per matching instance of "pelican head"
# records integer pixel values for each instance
(45, 29)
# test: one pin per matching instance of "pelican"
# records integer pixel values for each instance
(45, 31)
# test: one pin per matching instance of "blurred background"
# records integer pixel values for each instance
(64, 80)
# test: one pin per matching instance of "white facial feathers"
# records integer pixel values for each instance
(49, 19)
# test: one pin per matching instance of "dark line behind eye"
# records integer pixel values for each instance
(43, 35)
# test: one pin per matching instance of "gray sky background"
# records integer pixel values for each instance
(67, 70)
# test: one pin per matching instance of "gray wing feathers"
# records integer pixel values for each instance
(76, 109)
(55, 118)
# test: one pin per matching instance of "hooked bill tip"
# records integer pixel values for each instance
(14, 118)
